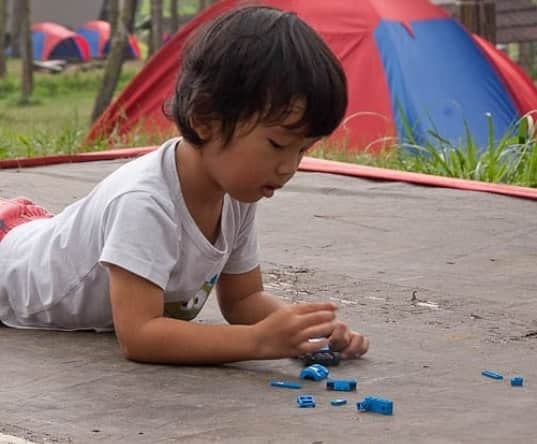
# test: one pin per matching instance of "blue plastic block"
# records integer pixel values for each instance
(376, 405)
(517, 381)
(315, 372)
(492, 375)
(305, 401)
(341, 385)
(285, 384)
(338, 402)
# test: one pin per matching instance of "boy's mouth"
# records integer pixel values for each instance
(268, 190)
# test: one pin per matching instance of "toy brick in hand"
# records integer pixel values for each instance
(324, 356)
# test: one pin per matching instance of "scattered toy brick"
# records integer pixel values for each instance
(492, 375)
(305, 401)
(338, 402)
(517, 381)
(315, 372)
(376, 405)
(285, 384)
(341, 385)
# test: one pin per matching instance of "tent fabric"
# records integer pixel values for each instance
(53, 41)
(97, 34)
(411, 69)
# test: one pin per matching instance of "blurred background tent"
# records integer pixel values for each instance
(411, 69)
(97, 34)
(52, 41)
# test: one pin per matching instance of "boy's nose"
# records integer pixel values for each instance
(289, 166)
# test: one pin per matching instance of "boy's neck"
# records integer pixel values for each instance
(198, 189)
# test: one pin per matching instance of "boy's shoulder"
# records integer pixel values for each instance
(153, 172)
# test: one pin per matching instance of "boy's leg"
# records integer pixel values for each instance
(14, 212)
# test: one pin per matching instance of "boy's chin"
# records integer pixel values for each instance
(244, 198)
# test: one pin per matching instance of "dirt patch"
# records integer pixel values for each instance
(397, 303)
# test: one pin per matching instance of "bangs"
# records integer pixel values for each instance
(308, 73)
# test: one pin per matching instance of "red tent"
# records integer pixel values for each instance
(53, 41)
(406, 61)
(97, 34)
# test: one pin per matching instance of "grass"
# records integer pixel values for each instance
(58, 116)
(57, 120)
(511, 160)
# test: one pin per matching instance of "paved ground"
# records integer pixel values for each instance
(469, 257)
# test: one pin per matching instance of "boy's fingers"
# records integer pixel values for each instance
(323, 331)
(341, 337)
(311, 347)
(357, 347)
(315, 318)
(313, 307)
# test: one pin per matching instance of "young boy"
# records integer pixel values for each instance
(141, 253)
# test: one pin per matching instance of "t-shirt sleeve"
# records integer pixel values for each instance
(244, 255)
(140, 236)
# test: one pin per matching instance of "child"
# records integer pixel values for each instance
(141, 253)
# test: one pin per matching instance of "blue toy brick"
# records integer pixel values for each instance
(315, 372)
(341, 385)
(305, 401)
(517, 381)
(376, 405)
(338, 402)
(492, 375)
(285, 384)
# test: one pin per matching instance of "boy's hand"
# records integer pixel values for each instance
(286, 332)
(351, 344)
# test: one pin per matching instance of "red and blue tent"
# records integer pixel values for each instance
(97, 34)
(409, 65)
(53, 41)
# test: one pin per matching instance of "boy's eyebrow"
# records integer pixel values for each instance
(294, 138)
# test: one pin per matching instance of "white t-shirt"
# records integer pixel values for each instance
(53, 271)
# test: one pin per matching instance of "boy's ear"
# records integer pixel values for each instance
(205, 130)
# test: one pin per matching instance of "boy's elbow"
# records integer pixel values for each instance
(132, 348)
(129, 351)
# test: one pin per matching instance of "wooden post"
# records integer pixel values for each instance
(26, 53)
(3, 17)
(479, 17)
(155, 41)
(174, 16)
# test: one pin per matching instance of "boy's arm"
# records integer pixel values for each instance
(242, 299)
(145, 335)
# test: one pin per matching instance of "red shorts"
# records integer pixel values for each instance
(14, 212)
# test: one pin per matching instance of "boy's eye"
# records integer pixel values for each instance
(306, 148)
(275, 145)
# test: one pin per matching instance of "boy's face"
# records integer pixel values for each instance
(259, 159)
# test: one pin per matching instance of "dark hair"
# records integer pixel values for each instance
(257, 61)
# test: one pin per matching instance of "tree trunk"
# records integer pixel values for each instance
(15, 31)
(155, 40)
(202, 4)
(103, 13)
(27, 55)
(174, 15)
(115, 61)
(3, 16)
(132, 16)
(112, 12)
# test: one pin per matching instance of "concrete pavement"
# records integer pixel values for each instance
(468, 258)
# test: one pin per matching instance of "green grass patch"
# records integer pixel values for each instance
(58, 115)
(510, 160)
